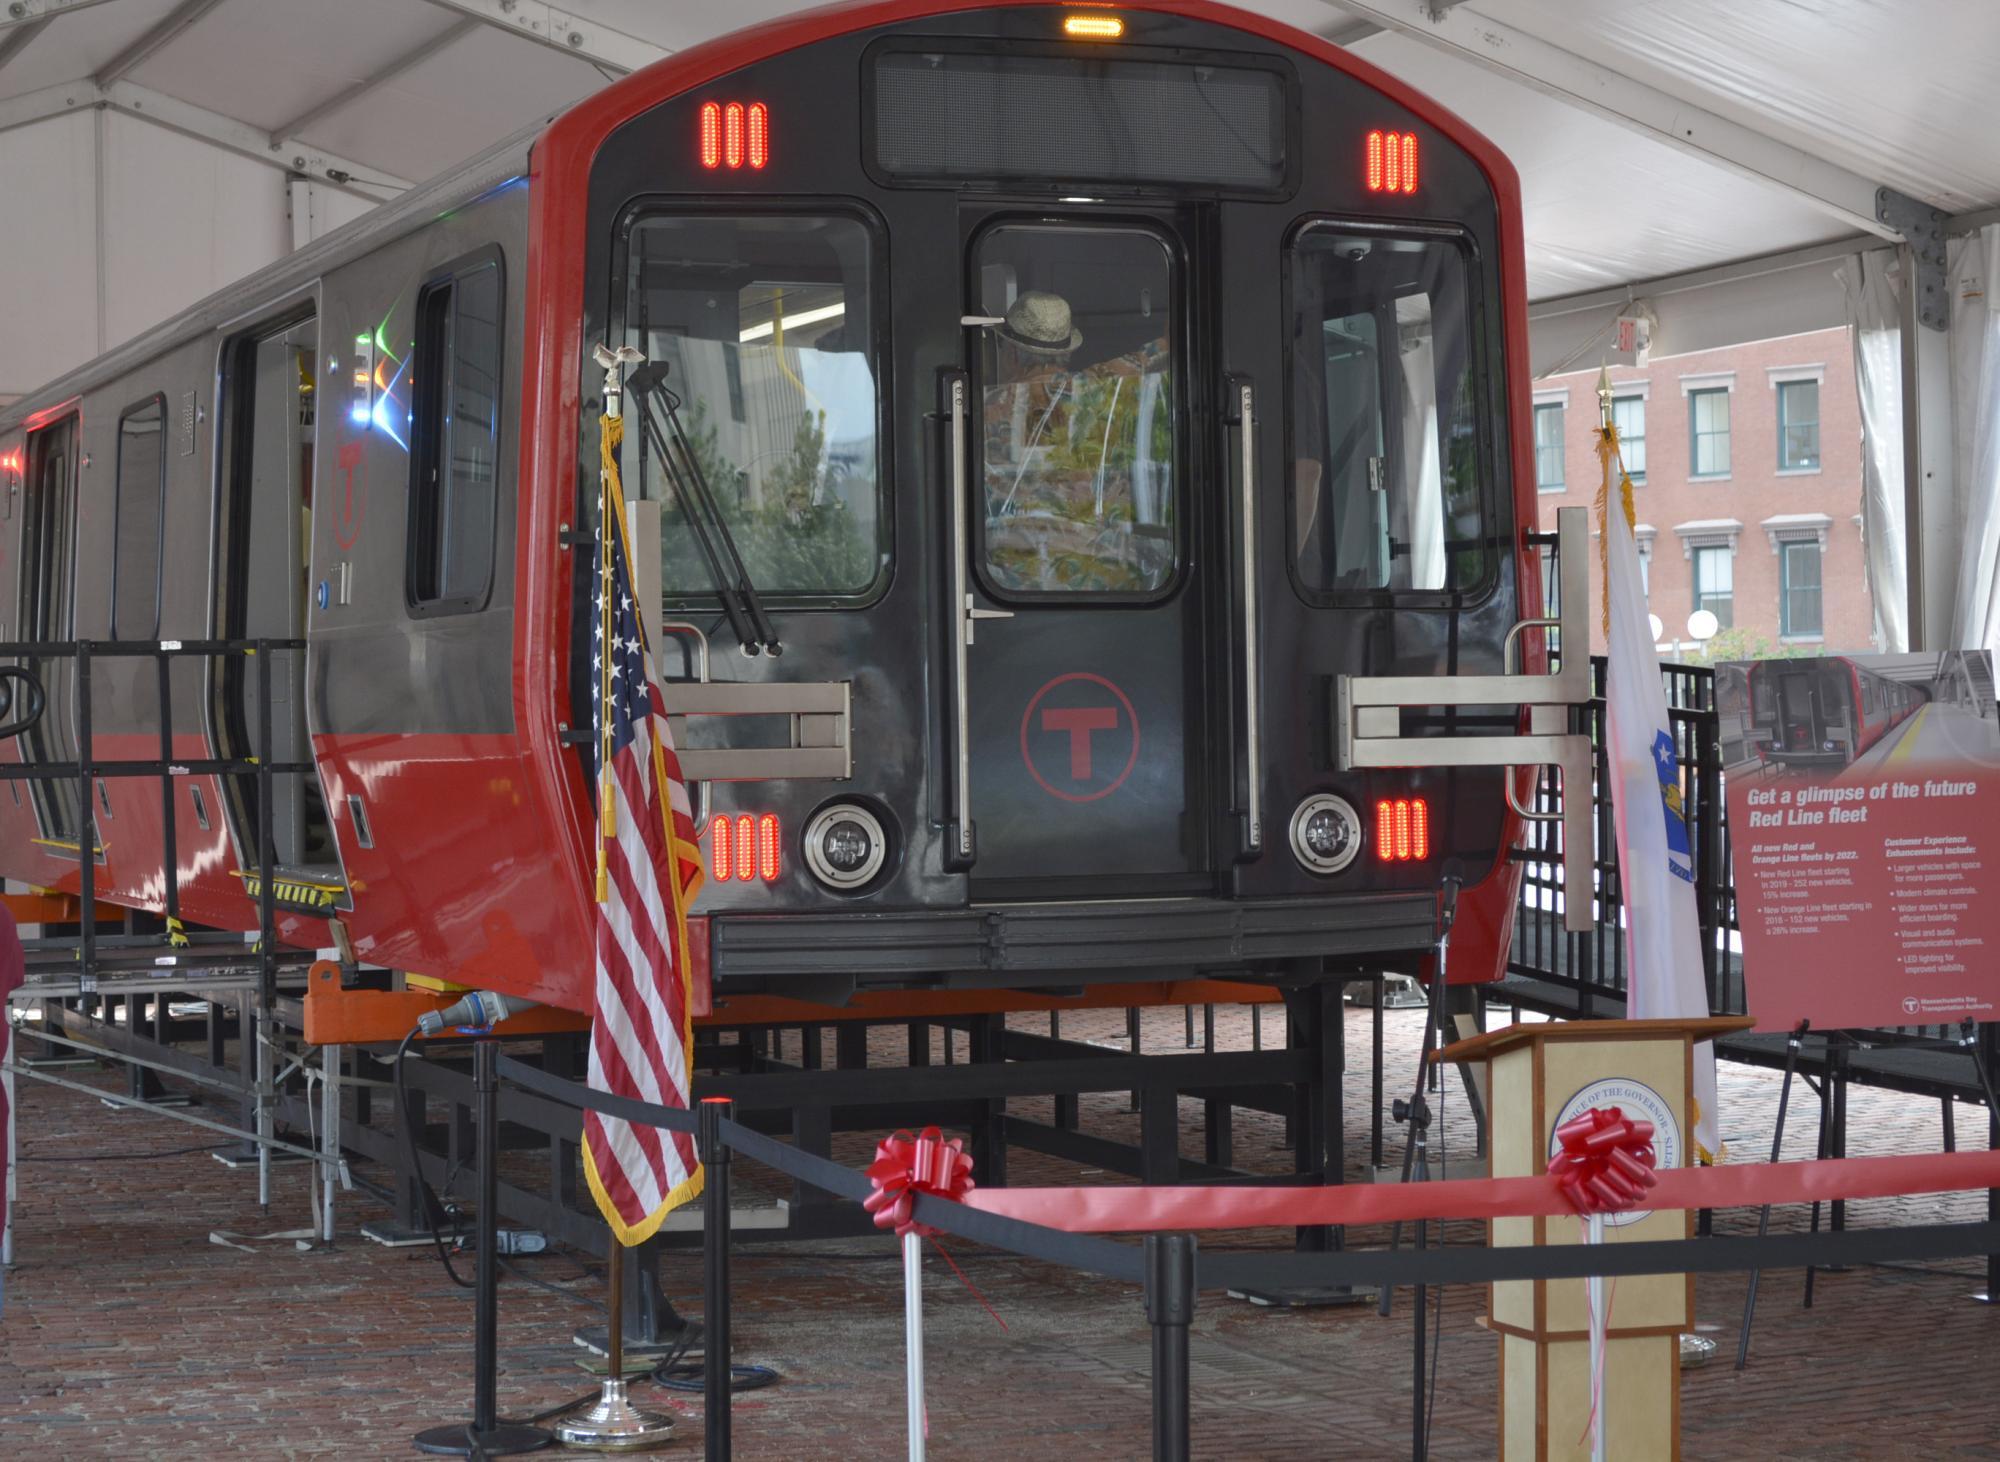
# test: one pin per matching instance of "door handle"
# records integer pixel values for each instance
(1242, 406)
(973, 614)
(959, 855)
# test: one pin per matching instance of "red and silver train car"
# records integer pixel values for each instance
(1826, 711)
(1043, 406)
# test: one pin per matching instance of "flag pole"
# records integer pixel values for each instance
(611, 431)
(913, 1341)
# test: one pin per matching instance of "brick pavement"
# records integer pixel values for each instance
(127, 1333)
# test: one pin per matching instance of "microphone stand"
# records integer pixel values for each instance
(1416, 1113)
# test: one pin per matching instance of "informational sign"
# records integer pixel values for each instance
(1864, 814)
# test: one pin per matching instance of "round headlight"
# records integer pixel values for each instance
(1326, 834)
(845, 845)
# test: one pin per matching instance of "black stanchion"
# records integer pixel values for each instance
(486, 1435)
(1170, 1291)
(1982, 1043)
(1792, 1046)
(715, 1373)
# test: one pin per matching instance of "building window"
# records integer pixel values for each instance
(1715, 583)
(1628, 414)
(1798, 425)
(1708, 433)
(1549, 447)
(1799, 611)
(455, 441)
(135, 571)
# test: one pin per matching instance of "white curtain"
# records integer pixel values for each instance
(1873, 285)
(1973, 278)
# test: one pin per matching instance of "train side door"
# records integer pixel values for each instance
(1074, 561)
(48, 610)
(266, 484)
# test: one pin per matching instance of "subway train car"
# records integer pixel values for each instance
(1042, 407)
(1826, 711)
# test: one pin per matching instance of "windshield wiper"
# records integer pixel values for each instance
(741, 604)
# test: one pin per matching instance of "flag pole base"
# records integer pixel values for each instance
(1695, 1350)
(614, 1424)
(505, 1440)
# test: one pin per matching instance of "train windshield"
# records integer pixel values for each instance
(763, 323)
(1386, 488)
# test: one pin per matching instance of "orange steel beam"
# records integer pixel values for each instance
(55, 908)
(336, 1017)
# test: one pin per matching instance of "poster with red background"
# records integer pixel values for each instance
(1864, 814)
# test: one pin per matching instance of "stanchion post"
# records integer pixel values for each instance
(715, 1374)
(486, 1436)
(1793, 1044)
(1170, 1292)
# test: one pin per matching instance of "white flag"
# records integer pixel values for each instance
(1662, 930)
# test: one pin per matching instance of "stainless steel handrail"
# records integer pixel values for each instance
(961, 627)
(1253, 728)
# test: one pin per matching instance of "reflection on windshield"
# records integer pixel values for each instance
(1386, 478)
(762, 323)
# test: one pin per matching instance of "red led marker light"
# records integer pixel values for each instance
(711, 134)
(759, 119)
(1402, 830)
(719, 866)
(732, 134)
(767, 847)
(1392, 162)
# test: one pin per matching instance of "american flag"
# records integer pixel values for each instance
(641, 1037)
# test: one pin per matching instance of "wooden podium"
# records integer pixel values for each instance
(1538, 1077)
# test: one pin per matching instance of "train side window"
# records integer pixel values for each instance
(455, 438)
(766, 326)
(1389, 485)
(141, 499)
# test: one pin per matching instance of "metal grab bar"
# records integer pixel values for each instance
(1244, 412)
(961, 625)
(1368, 720)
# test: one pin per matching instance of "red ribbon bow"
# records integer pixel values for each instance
(1606, 1163)
(905, 1166)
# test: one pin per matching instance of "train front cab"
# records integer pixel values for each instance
(1077, 413)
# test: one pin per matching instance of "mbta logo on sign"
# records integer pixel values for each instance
(1080, 737)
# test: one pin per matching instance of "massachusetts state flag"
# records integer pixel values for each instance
(649, 867)
(1656, 869)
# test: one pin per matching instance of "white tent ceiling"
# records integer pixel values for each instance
(1747, 126)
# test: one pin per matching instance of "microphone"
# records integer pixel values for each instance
(1449, 885)
(477, 1007)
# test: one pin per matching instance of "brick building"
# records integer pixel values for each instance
(1746, 469)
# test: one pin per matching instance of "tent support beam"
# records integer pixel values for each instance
(1634, 104)
(200, 123)
(171, 27)
(561, 30)
(409, 60)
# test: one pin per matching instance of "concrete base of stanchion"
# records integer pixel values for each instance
(504, 1440)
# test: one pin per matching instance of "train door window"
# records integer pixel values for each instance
(1799, 599)
(1715, 583)
(766, 327)
(1389, 477)
(268, 429)
(455, 438)
(1077, 399)
(141, 499)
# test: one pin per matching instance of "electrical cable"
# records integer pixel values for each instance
(433, 1209)
(551, 1286)
(120, 1156)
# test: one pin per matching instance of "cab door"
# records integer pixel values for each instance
(1077, 537)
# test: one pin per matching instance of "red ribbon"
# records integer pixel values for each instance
(1736, 1185)
(1606, 1162)
(905, 1166)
